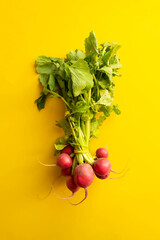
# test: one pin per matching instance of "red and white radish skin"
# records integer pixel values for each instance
(68, 150)
(83, 175)
(102, 153)
(66, 172)
(64, 160)
(71, 184)
(102, 167)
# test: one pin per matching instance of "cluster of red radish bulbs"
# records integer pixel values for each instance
(83, 174)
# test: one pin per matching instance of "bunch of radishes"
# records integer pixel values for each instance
(84, 82)
(83, 174)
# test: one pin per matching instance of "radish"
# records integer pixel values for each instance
(83, 175)
(68, 150)
(102, 167)
(71, 184)
(102, 153)
(64, 161)
(66, 172)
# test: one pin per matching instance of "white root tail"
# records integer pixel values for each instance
(119, 176)
(46, 195)
(48, 165)
(57, 194)
(122, 169)
(86, 195)
(62, 197)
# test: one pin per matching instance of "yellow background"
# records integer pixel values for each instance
(122, 209)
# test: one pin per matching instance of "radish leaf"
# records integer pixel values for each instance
(91, 44)
(81, 77)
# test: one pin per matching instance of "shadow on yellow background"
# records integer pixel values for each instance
(115, 210)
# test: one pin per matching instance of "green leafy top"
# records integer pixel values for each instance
(91, 44)
(85, 82)
(82, 79)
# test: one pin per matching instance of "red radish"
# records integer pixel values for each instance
(64, 160)
(102, 153)
(68, 149)
(83, 175)
(102, 167)
(71, 184)
(66, 172)
(74, 188)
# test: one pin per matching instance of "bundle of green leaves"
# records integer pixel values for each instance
(85, 83)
